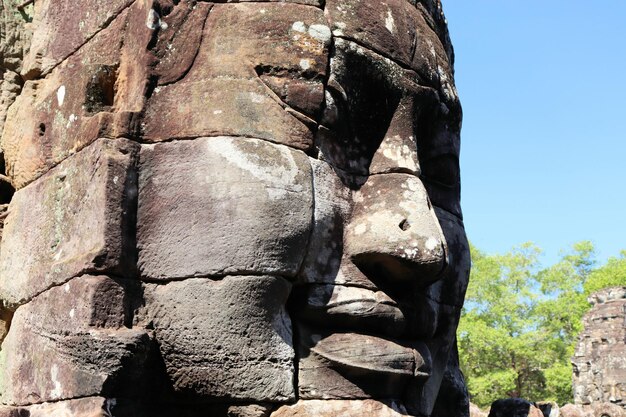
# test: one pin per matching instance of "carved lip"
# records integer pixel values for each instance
(361, 310)
(371, 354)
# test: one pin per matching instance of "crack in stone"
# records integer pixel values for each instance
(104, 26)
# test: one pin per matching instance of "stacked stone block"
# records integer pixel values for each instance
(229, 209)
(600, 360)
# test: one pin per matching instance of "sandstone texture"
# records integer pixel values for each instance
(213, 177)
(83, 407)
(71, 342)
(475, 411)
(337, 408)
(73, 220)
(600, 358)
(229, 208)
(210, 352)
(571, 410)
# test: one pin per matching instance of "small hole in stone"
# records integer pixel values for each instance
(100, 94)
(404, 224)
(42, 129)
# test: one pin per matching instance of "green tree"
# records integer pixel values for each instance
(520, 323)
(610, 275)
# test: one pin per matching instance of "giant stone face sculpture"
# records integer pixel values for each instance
(231, 209)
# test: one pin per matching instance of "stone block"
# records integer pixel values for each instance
(216, 206)
(69, 342)
(82, 407)
(395, 29)
(257, 74)
(96, 92)
(16, 35)
(571, 410)
(332, 208)
(212, 410)
(340, 408)
(10, 88)
(178, 43)
(62, 27)
(210, 352)
(350, 365)
(77, 218)
(599, 360)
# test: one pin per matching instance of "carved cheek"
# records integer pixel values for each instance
(230, 206)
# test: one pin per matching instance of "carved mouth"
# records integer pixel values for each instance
(359, 353)
(365, 311)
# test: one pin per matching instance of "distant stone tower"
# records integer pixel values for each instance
(600, 357)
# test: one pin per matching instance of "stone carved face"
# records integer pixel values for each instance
(288, 174)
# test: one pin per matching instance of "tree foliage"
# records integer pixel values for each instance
(610, 275)
(520, 322)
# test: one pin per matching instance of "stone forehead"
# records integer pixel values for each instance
(435, 17)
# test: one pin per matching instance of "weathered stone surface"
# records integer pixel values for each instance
(371, 115)
(77, 218)
(605, 409)
(10, 87)
(15, 34)
(332, 208)
(97, 92)
(62, 27)
(571, 410)
(256, 74)
(248, 208)
(395, 29)
(224, 97)
(351, 365)
(351, 308)
(178, 43)
(600, 357)
(453, 393)
(374, 117)
(452, 284)
(82, 407)
(209, 353)
(71, 342)
(212, 410)
(404, 220)
(475, 411)
(391, 265)
(338, 408)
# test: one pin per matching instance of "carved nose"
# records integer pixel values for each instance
(394, 233)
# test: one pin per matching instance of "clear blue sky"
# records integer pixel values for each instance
(543, 88)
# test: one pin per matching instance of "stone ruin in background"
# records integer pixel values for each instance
(230, 209)
(600, 357)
